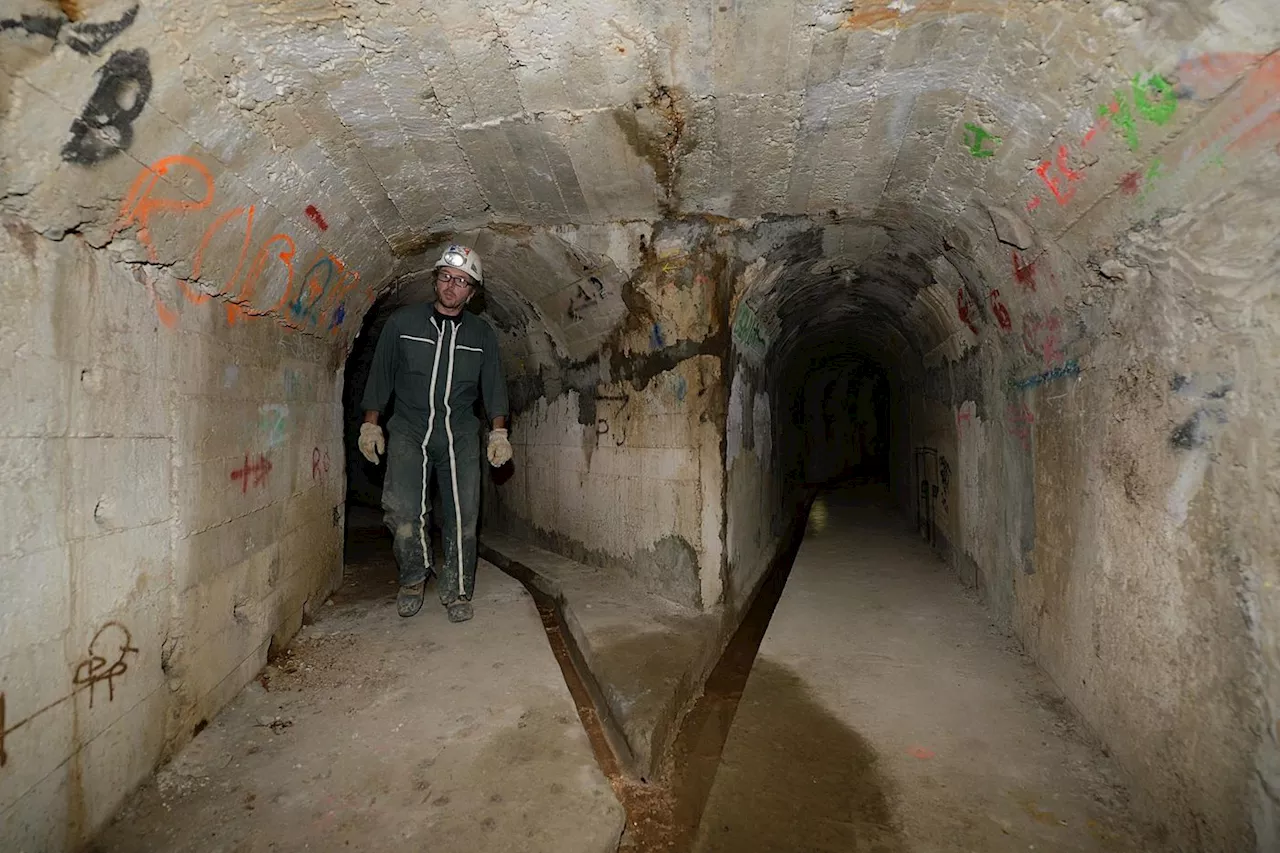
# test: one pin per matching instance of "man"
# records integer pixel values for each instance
(436, 359)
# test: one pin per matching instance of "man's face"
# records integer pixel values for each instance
(453, 287)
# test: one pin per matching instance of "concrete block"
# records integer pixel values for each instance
(36, 590)
(42, 818)
(117, 483)
(203, 555)
(119, 759)
(32, 502)
(117, 662)
(41, 729)
(33, 395)
(107, 401)
(119, 570)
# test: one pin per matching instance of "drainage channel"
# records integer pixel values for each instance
(663, 814)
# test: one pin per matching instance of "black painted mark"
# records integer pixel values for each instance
(91, 38)
(1196, 430)
(105, 126)
(82, 38)
(36, 25)
(96, 668)
(4, 756)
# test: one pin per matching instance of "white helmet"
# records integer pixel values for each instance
(462, 257)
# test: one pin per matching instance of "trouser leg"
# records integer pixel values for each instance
(459, 477)
(405, 505)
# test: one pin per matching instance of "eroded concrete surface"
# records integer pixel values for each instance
(886, 712)
(374, 732)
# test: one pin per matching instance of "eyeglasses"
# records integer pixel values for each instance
(462, 280)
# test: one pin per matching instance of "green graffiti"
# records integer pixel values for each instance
(975, 136)
(746, 332)
(1154, 99)
(1159, 110)
(1123, 116)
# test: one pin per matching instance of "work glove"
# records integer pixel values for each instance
(371, 442)
(499, 448)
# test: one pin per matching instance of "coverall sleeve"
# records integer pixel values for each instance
(493, 384)
(382, 373)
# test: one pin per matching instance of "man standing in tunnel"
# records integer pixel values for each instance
(437, 359)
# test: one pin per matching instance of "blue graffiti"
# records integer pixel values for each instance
(339, 314)
(655, 337)
(298, 308)
(1071, 368)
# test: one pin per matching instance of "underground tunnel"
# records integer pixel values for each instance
(889, 383)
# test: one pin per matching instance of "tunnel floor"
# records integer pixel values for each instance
(373, 732)
(886, 712)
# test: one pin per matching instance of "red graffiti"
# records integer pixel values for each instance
(1024, 275)
(962, 417)
(964, 307)
(1129, 182)
(319, 463)
(256, 471)
(317, 217)
(1042, 336)
(998, 308)
(1019, 419)
(1062, 192)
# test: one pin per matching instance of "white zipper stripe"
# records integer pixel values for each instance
(412, 338)
(431, 420)
(468, 349)
(453, 461)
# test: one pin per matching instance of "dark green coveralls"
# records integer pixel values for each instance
(436, 366)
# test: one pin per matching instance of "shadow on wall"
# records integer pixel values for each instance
(795, 778)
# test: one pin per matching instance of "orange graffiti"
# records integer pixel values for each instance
(198, 298)
(880, 12)
(241, 303)
(139, 204)
(321, 293)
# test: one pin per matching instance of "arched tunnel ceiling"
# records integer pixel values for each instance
(554, 134)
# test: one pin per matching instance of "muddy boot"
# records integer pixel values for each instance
(460, 610)
(409, 601)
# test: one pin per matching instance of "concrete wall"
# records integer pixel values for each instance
(173, 502)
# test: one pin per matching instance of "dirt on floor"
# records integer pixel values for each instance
(372, 732)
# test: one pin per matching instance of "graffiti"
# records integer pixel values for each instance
(1070, 368)
(4, 756)
(1024, 274)
(747, 334)
(83, 38)
(317, 217)
(655, 337)
(998, 308)
(1018, 418)
(965, 308)
(319, 463)
(105, 126)
(1150, 96)
(1062, 193)
(272, 419)
(1042, 336)
(1253, 116)
(963, 417)
(112, 638)
(975, 137)
(1128, 183)
(588, 293)
(256, 471)
(325, 287)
